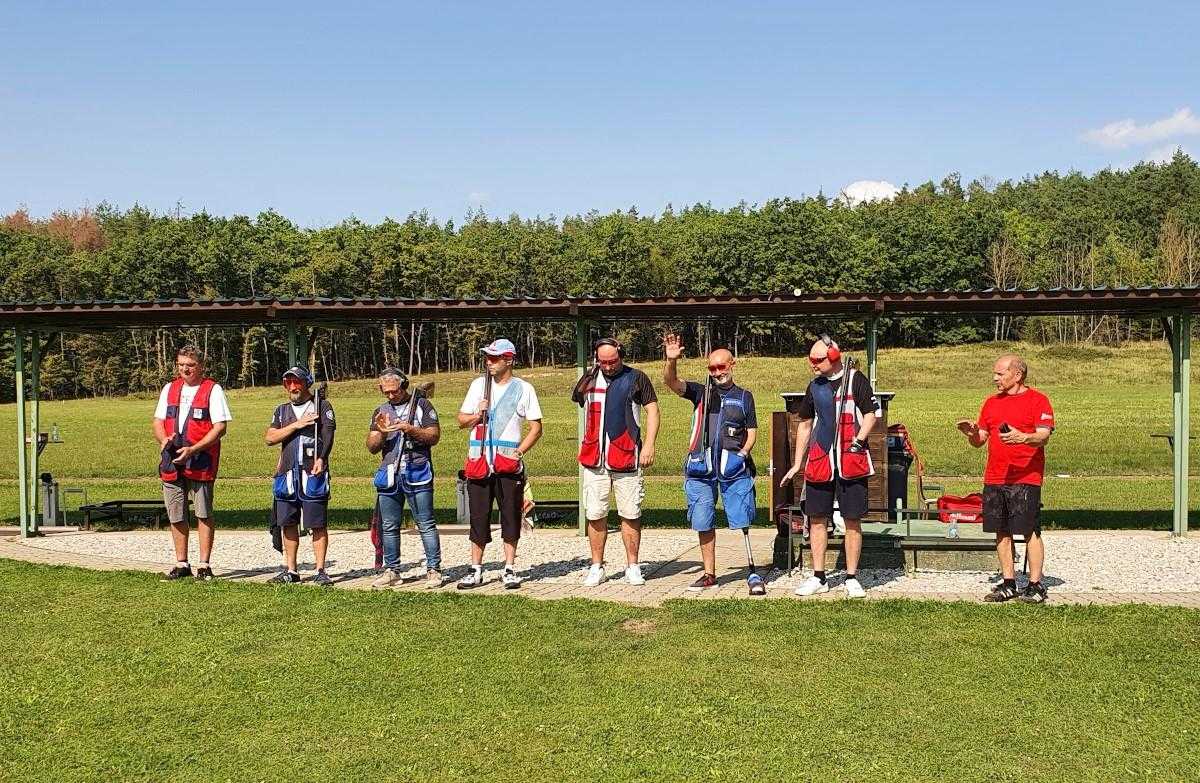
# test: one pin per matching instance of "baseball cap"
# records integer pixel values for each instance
(299, 373)
(500, 347)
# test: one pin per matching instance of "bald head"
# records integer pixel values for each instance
(720, 366)
(1008, 373)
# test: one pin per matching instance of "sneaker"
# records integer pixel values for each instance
(387, 580)
(633, 574)
(703, 583)
(434, 579)
(595, 575)
(178, 572)
(812, 586)
(321, 579)
(1001, 593)
(757, 585)
(285, 578)
(473, 579)
(510, 579)
(854, 588)
(1034, 593)
(204, 574)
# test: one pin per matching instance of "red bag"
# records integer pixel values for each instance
(967, 509)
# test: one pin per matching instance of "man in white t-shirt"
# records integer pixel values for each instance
(495, 409)
(189, 422)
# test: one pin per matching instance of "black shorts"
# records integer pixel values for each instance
(287, 513)
(1012, 508)
(508, 493)
(851, 495)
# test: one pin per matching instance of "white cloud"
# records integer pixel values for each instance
(1164, 154)
(1127, 132)
(865, 190)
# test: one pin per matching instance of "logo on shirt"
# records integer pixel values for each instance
(329, 414)
(1047, 416)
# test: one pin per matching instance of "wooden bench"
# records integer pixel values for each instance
(124, 510)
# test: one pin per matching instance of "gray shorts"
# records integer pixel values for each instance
(176, 494)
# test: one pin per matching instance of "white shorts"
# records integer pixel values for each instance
(598, 483)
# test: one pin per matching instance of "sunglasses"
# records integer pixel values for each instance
(489, 358)
(292, 383)
(608, 362)
(815, 362)
(718, 367)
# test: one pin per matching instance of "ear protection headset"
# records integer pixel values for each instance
(607, 341)
(833, 352)
(398, 373)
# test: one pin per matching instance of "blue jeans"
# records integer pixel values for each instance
(737, 495)
(391, 512)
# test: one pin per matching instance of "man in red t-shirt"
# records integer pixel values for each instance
(1015, 423)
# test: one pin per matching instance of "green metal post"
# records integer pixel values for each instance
(35, 366)
(292, 343)
(872, 348)
(22, 457)
(581, 361)
(1181, 370)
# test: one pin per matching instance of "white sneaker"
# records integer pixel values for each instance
(595, 575)
(812, 586)
(633, 574)
(388, 579)
(854, 589)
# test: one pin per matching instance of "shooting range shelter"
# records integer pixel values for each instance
(33, 323)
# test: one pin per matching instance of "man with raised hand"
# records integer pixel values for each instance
(305, 435)
(724, 430)
(496, 408)
(189, 422)
(1015, 423)
(613, 453)
(837, 414)
(403, 430)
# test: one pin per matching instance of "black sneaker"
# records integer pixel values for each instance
(204, 574)
(1001, 593)
(284, 578)
(1034, 593)
(178, 572)
(322, 579)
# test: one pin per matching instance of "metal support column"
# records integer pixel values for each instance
(35, 382)
(293, 344)
(22, 455)
(1181, 371)
(581, 365)
(872, 348)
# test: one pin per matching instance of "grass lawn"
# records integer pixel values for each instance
(115, 676)
(1104, 428)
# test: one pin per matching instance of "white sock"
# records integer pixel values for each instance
(182, 564)
(203, 565)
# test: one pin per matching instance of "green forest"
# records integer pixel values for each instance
(1136, 227)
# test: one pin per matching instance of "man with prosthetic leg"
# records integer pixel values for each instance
(724, 430)
(837, 414)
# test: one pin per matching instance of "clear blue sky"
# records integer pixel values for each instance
(326, 110)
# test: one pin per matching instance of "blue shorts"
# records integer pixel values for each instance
(287, 513)
(737, 496)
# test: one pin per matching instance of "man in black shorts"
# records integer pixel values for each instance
(1015, 423)
(837, 414)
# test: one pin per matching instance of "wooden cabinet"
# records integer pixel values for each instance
(783, 447)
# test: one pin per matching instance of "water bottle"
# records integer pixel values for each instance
(54, 436)
(952, 530)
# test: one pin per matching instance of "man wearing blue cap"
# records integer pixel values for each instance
(304, 428)
(495, 408)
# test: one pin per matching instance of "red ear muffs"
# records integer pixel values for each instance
(833, 352)
(834, 355)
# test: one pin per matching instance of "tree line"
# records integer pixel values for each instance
(1133, 227)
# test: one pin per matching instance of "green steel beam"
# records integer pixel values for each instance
(22, 455)
(581, 365)
(1181, 370)
(872, 348)
(35, 394)
(293, 343)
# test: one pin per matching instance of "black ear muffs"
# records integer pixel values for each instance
(607, 341)
(398, 373)
(833, 352)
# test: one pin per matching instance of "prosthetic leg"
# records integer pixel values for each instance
(755, 582)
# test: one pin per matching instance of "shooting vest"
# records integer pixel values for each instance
(835, 421)
(201, 466)
(611, 435)
(727, 438)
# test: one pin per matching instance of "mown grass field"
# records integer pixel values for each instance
(117, 677)
(1108, 403)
